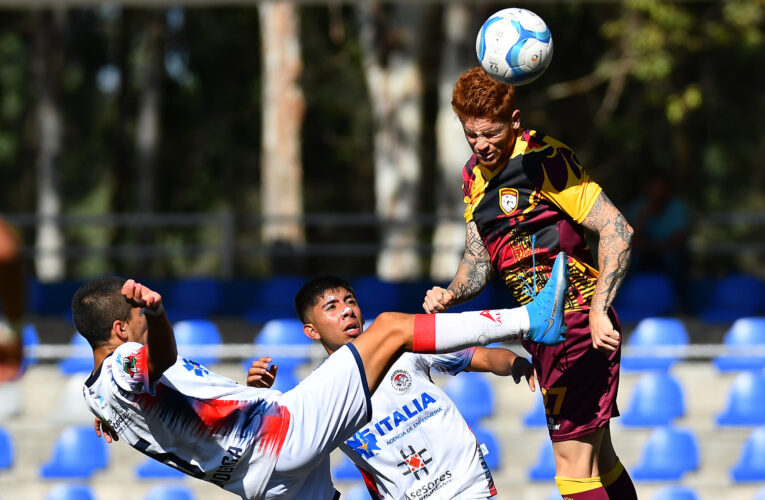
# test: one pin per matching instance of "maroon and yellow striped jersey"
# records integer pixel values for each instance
(529, 210)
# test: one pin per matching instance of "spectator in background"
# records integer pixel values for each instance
(12, 300)
(661, 221)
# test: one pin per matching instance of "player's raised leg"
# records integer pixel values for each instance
(394, 333)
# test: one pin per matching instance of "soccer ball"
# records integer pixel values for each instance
(514, 46)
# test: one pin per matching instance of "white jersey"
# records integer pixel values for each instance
(417, 444)
(201, 423)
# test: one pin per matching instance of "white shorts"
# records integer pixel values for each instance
(326, 408)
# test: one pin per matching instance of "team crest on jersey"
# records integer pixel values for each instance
(508, 200)
(415, 462)
(129, 365)
(401, 380)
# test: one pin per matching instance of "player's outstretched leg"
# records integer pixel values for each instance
(546, 310)
(394, 333)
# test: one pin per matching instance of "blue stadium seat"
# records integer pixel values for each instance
(650, 333)
(675, 493)
(81, 359)
(734, 297)
(154, 469)
(472, 394)
(657, 400)
(744, 333)
(537, 417)
(346, 471)
(78, 453)
(668, 454)
(193, 334)
(751, 464)
(29, 339)
(645, 295)
(544, 469)
(357, 492)
(193, 298)
(746, 401)
(275, 299)
(6, 450)
(279, 333)
(376, 296)
(490, 445)
(70, 492)
(169, 492)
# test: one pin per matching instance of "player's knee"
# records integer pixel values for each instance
(394, 326)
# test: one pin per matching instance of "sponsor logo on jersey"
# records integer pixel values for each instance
(193, 366)
(415, 462)
(128, 365)
(552, 425)
(401, 380)
(120, 422)
(222, 473)
(364, 443)
(429, 488)
(508, 200)
(407, 417)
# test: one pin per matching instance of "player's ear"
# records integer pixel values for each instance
(119, 328)
(515, 119)
(311, 332)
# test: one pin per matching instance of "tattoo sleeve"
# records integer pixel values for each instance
(475, 269)
(614, 249)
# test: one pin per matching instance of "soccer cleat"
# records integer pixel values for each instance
(546, 310)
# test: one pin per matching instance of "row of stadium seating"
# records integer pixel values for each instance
(643, 344)
(642, 295)
(70, 491)
(358, 492)
(668, 454)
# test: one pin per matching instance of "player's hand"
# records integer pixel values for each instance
(260, 374)
(522, 368)
(108, 434)
(604, 338)
(437, 300)
(141, 296)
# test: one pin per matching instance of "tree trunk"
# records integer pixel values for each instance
(389, 46)
(147, 134)
(283, 111)
(47, 65)
(452, 149)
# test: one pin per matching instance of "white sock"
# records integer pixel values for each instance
(449, 332)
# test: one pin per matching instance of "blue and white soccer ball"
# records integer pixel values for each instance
(514, 46)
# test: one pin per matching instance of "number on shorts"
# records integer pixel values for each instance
(559, 393)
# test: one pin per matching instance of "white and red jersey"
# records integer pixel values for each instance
(201, 423)
(417, 444)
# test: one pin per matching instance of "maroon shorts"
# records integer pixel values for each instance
(579, 383)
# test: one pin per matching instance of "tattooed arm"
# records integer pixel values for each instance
(614, 249)
(472, 276)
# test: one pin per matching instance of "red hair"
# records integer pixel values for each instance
(476, 94)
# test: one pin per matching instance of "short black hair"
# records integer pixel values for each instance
(96, 305)
(313, 289)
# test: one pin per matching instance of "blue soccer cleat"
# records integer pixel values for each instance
(546, 310)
